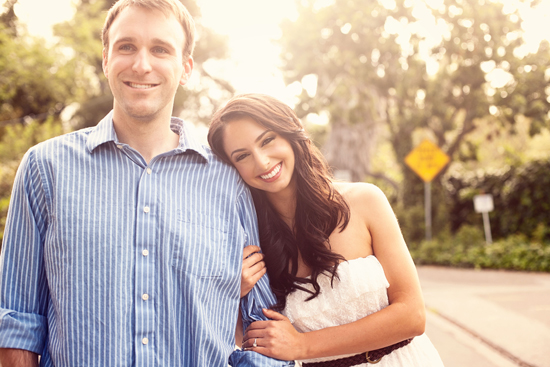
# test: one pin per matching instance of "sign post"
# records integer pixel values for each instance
(484, 204)
(427, 160)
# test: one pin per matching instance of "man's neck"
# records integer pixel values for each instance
(150, 138)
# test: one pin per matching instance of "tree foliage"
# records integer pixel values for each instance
(35, 80)
(379, 71)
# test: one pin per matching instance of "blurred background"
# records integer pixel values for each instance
(370, 79)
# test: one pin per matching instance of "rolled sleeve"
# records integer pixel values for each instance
(258, 298)
(23, 286)
(23, 331)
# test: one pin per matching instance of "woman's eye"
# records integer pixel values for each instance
(268, 140)
(240, 157)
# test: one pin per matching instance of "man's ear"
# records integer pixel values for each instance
(187, 70)
(104, 63)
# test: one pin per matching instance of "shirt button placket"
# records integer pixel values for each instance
(145, 267)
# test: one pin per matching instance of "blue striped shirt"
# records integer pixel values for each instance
(110, 261)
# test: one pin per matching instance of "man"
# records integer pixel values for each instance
(124, 242)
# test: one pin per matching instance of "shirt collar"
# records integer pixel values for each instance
(104, 132)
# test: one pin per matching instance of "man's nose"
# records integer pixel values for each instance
(142, 62)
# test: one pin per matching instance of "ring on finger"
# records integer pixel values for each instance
(254, 344)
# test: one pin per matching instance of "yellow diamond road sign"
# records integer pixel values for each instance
(427, 160)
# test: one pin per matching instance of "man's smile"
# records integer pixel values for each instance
(140, 86)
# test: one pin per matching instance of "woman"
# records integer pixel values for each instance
(336, 258)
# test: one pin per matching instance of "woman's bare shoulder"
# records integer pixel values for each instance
(359, 192)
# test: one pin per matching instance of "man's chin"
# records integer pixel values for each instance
(143, 114)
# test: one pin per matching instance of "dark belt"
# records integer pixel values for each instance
(373, 356)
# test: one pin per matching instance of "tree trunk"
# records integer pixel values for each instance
(350, 147)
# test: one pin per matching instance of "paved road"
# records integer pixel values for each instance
(486, 318)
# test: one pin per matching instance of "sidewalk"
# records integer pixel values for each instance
(501, 316)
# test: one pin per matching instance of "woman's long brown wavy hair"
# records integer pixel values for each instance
(320, 209)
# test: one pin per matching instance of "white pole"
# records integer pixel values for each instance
(487, 227)
(428, 209)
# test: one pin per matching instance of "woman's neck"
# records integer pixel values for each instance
(284, 203)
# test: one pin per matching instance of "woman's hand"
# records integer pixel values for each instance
(276, 338)
(253, 268)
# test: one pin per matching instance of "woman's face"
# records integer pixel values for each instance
(264, 159)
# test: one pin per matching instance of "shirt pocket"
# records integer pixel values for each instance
(199, 249)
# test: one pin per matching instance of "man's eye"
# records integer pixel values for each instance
(160, 50)
(125, 48)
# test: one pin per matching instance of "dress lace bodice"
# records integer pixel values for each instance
(360, 291)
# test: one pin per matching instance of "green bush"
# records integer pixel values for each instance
(468, 249)
(520, 194)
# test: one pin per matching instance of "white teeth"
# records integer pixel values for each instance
(272, 173)
(141, 86)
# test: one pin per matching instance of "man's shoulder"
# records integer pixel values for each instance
(224, 171)
(73, 140)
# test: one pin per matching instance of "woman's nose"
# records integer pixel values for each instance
(263, 161)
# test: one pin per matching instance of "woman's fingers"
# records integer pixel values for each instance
(275, 338)
(252, 270)
(274, 315)
(252, 259)
(256, 272)
(248, 250)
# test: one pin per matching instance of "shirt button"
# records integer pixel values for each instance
(149, 170)
(145, 253)
(145, 341)
(146, 209)
(119, 146)
(145, 297)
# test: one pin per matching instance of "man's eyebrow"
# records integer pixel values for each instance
(255, 140)
(125, 39)
(158, 41)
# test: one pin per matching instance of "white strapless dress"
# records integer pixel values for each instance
(361, 291)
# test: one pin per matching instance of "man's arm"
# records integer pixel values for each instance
(259, 297)
(17, 358)
(23, 286)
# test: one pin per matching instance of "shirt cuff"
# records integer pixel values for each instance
(23, 331)
(241, 358)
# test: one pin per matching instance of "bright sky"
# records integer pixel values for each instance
(251, 26)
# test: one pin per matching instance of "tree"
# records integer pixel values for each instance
(35, 80)
(82, 35)
(374, 67)
(8, 18)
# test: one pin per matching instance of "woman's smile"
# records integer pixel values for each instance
(273, 174)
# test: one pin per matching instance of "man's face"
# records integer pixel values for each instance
(144, 63)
